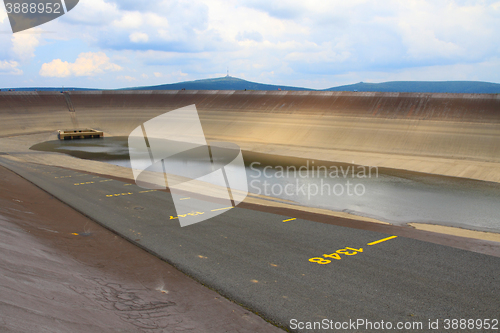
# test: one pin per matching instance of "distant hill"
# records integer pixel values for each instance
(221, 83)
(469, 87)
(232, 83)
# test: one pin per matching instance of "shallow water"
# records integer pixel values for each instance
(390, 195)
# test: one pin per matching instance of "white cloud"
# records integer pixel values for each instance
(87, 64)
(249, 35)
(179, 75)
(156, 20)
(422, 43)
(307, 43)
(24, 44)
(93, 13)
(126, 78)
(459, 72)
(139, 37)
(3, 15)
(130, 20)
(324, 53)
(56, 68)
(9, 68)
(231, 21)
(436, 30)
(135, 20)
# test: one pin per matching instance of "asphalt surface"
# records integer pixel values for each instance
(61, 272)
(263, 260)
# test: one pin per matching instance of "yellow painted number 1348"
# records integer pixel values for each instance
(348, 251)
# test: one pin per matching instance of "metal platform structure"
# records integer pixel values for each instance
(86, 133)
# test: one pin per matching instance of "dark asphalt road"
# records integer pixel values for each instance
(261, 262)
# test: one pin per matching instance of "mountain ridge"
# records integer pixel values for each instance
(452, 87)
(221, 83)
(233, 83)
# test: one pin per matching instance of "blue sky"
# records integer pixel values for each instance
(314, 44)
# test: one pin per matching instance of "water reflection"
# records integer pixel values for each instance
(390, 195)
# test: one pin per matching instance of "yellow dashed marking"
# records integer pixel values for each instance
(254, 281)
(289, 220)
(381, 240)
(147, 191)
(197, 213)
(127, 184)
(213, 210)
(188, 214)
(118, 194)
(184, 198)
(107, 180)
(86, 183)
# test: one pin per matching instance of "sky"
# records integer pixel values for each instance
(315, 44)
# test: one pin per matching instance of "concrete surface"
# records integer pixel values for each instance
(249, 254)
(449, 134)
(62, 272)
(258, 260)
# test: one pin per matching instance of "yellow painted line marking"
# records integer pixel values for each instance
(289, 220)
(76, 184)
(107, 180)
(127, 184)
(118, 194)
(213, 210)
(147, 191)
(381, 240)
(184, 198)
(196, 213)
(188, 214)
